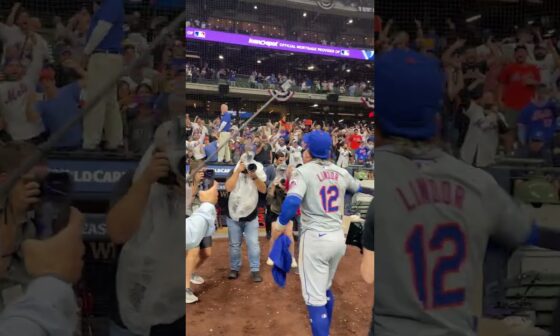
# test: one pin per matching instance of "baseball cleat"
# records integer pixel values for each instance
(294, 263)
(197, 279)
(190, 297)
(269, 262)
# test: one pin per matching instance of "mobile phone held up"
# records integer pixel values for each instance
(52, 212)
(208, 179)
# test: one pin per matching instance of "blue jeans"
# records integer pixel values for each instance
(236, 230)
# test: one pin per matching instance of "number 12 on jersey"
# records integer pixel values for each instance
(329, 198)
(418, 246)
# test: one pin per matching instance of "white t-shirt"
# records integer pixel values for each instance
(546, 68)
(295, 156)
(12, 36)
(14, 99)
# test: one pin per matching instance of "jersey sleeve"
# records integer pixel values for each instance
(512, 221)
(112, 11)
(368, 241)
(353, 185)
(297, 186)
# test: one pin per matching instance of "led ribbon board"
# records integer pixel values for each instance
(275, 44)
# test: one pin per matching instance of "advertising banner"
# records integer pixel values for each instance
(276, 44)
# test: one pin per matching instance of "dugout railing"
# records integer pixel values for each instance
(526, 281)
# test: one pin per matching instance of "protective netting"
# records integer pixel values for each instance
(500, 111)
(238, 50)
(57, 34)
(250, 67)
(478, 43)
(44, 66)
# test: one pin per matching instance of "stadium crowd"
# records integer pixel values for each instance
(502, 94)
(308, 34)
(275, 149)
(48, 71)
(352, 144)
(48, 74)
(299, 82)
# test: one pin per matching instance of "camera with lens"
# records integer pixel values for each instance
(249, 162)
(208, 179)
(354, 236)
(52, 212)
(251, 167)
(170, 138)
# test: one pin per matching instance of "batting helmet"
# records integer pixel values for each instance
(409, 89)
(319, 144)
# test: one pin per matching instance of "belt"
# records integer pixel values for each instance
(106, 51)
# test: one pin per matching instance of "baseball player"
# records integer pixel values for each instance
(435, 214)
(318, 188)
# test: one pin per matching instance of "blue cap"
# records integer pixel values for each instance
(409, 89)
(319, 144)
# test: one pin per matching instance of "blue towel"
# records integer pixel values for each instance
(282, 258)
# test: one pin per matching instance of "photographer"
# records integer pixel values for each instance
(270, 171)
(244, 185)
(153, 245)
(48, 306)
(274, 198)
(42, 269)
(200, 234)
(16, 222)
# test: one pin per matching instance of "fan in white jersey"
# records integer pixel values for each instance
(434, 214)
(17, 92)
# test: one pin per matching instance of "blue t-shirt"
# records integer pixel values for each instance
(226, 118)
(111, 11)
(210, 149)
(362, 154)
(57, 111)
(539, 119)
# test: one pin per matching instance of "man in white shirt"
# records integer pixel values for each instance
(17, 92)
(481, 141)
(18, 37)
(546, 61)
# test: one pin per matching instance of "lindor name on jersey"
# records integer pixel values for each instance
(424, 191)
(328, 175)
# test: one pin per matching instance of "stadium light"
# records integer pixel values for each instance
(259, 61)
(311, 67)
(350, 21)
(304, 14)
(221, 57)
(315, 105)
(256, 7)
(348, 70)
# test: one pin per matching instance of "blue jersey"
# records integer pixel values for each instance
(362, 154)
(111, 11)
(55, 113)
(227, 119)
(539, 119)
